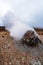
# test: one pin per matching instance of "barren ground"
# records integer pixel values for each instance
(14, 53)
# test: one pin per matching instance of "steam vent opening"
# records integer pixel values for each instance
(13, 52)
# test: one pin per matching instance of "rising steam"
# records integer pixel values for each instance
(24, 12)
(16, 27)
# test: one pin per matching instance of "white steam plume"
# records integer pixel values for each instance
(16, 28)
(24, 10)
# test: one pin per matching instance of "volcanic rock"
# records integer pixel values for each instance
(31, 39)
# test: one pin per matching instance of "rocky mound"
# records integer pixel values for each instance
(30, 39)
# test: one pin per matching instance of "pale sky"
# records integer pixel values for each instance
(28, 11)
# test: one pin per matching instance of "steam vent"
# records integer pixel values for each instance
(13, 52)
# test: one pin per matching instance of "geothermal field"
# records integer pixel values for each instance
(21, 32)
(13, 52)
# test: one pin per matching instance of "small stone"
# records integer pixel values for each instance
(35, 63)
(23, 58)
(5, 46)
(27, 40)
(10, 63)
(8, 46)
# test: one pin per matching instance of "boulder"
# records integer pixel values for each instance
(31, 39)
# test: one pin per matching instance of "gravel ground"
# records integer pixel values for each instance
(14, 53)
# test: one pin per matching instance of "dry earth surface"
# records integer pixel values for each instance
(14, 53)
